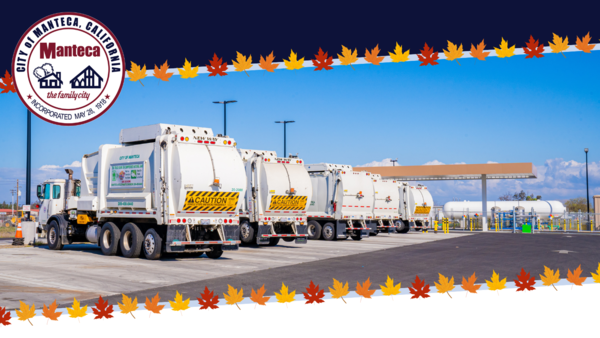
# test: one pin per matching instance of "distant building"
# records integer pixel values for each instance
(87, 79)
(51, 80)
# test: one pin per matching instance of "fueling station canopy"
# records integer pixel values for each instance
(444, 172)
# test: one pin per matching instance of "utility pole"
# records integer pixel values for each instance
(224, 103)
(284, 135)
(587, 185)
(12, 201)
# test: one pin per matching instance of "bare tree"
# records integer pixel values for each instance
(506, 197)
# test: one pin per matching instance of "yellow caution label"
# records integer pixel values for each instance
(422, 210)
(210, 201)
(281, 202)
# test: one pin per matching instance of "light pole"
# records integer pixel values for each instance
(224, 103)
(587, 186)
(284, 135)
(394, 161)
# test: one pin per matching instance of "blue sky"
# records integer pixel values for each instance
(501, 110)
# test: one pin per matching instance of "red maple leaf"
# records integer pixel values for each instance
(208, 301)
(102, 309)
(216, 68)
(321, 61)
(533, 49)
(6, 84)
(4, 316)
(420, 289)
(428, 57)
(313, 294)
(524, 282)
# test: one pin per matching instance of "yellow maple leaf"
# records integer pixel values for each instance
(178, 304)
(128, 305)
(504, 51)
(26, 313)
(234, 296)
(398, 56)
(559, 45)
(390, 289)
(445, 285)
(583, 44)
(136, 74)
(496, 283)
(188, 72)
(76, 311)
(339, 290)
(550, 277)
(293, 62)
(348, 57)
(284, 296)
(372, 56)
(596, 276)
(453, 53)
(242, 63)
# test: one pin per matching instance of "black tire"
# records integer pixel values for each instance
(287, 239)
(190, 254)
(273, 241)
(402, 227)
(109, 239)
(152, 246)
(314, 230)
(247, 234)
(356, 237)
(131, 241)
(53, 236)
(215, 253)
(374, 233)
(328, 231)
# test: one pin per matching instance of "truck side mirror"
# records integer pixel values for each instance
(40, 195)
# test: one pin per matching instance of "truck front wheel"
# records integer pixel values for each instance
(247, 233)
(131, 241)
(314, 230)
(53, 237)
(152, 245)
(110, 236)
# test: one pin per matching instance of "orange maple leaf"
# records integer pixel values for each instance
(321, 61)
(363, 290)
(161, 73)
(469, 285)
(428, 56)
(6, 84)
(50, 312)
(478, 52)
(257, 296)
(216, 66)
(533, 48)
(372, 56)
(574, 276)
(153, 306)
(584, 44)
(267, 63)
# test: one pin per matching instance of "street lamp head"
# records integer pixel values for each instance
(225, 102)
(586, 150)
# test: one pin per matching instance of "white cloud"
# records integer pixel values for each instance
(386, 162)
(434, 162)
(491, 162)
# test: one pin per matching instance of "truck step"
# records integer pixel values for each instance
(285, 235)
(178, 243)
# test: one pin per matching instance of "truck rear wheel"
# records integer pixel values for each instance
(289, 239)
(152, 245)
(273, 241)
(131, 241)
(356, 237)
(328, 231)
(314, 230)
(247, 233)
(375, 233)
(53, 237)
(215, 253)
(402, 227)
(110, 236)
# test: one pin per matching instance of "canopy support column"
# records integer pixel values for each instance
(484, 209)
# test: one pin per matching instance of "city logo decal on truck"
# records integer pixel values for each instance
(282, 202)
(68, 69)
(210, 201)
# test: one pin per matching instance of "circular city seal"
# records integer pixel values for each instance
(68, 69)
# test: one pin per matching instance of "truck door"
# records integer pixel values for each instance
(43, 194)
(57, 201)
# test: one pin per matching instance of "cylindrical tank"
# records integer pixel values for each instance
(542, 208)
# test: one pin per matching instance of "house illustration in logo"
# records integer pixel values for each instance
(87, 79)
(47, 78)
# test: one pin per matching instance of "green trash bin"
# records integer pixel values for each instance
(526, 228)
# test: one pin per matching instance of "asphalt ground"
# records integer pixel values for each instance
(505, 254)
(39, 276)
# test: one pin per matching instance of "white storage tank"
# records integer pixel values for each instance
(542, 208)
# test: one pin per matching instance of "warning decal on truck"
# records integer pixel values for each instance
(281, 202)
(422, 210)
(210, 201)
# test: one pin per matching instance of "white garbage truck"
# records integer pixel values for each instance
(164, 188)
(385, 205)
(341, 203)
(276, 199)
(414, 207)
